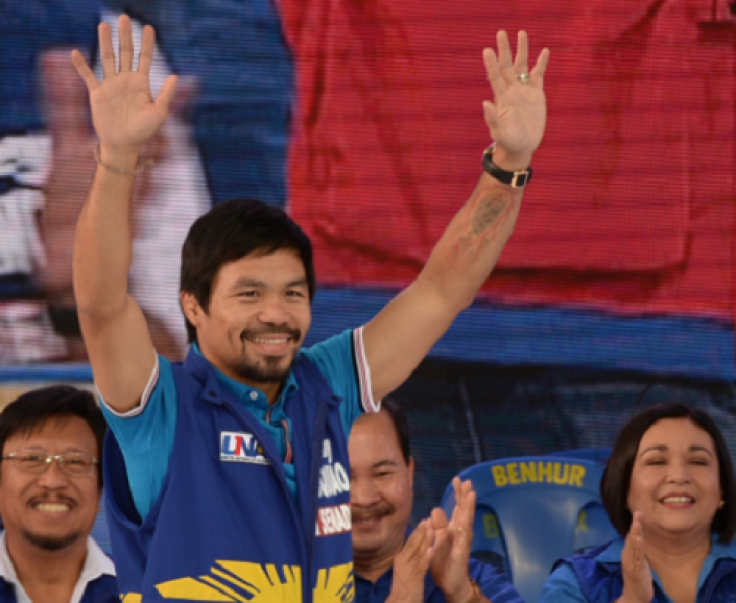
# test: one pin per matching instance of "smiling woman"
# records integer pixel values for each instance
(670, 491)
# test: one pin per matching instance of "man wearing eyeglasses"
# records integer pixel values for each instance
(50, 486)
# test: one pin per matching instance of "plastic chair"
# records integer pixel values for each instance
(532, 511)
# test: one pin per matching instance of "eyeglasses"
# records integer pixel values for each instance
(74, 464)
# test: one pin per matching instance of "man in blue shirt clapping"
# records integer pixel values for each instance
(393, 563)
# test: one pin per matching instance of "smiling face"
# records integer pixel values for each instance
(258, 316)
(675, 479)
(380, 489)
(50, 510)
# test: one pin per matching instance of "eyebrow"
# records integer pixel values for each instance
(697, 448)
(385, 463)
(301, 282)
(664, 448)
(247, 281)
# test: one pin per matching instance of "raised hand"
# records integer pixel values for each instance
(518, 113)
(123, 112)
(634, 566)
(411, 566)
(452, 544)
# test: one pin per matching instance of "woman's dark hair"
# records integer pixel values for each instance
(34, 408)
(617, 475)
(401, 426)
(233, 230)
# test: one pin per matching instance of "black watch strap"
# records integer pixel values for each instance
(514, 179)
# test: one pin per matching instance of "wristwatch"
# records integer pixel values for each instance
(514, 179)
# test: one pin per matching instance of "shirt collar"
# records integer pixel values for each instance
(96, 564)
(722, 551)
(717, 551)
(7, 569)
(612, 553)
(242, 391)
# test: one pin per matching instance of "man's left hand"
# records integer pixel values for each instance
(518, 114)
(449, 565)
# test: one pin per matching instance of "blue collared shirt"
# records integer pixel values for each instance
(494, 586)
(146, 434)
(562, 585)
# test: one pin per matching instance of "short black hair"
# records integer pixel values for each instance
(232, 230)
(401, 426)
(617, 474)
(33, 409)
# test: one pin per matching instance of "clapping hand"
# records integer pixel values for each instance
(636, 572)
(452, 547)
(411, 565)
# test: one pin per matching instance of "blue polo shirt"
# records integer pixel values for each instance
(494, 586)
(563, 587)
(146, 434)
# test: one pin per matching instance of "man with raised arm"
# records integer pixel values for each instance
(219, 467)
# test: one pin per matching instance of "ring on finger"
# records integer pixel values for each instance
(523, 77)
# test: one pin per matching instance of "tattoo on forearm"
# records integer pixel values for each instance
(490, 207)
(482, 222)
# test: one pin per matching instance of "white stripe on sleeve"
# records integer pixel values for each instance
(135, 411)
(364, 374)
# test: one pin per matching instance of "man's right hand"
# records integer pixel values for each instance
(411, 566)
(123, 112)
(634, 566)
(125, 116)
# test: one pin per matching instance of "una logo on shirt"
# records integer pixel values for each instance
(241, 447)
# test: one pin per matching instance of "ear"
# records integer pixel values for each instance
(411, 471)
(191, 308)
